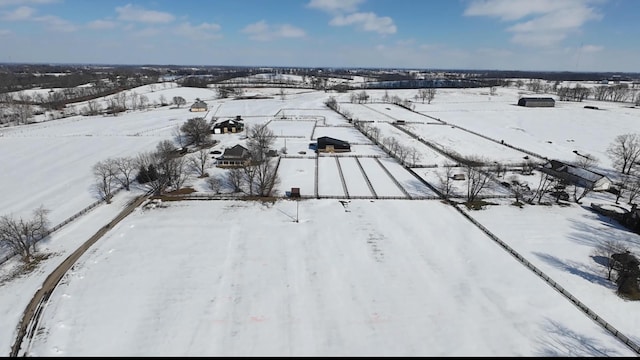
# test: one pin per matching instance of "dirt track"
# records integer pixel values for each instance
(28, 324)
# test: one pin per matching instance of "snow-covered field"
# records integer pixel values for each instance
(357, 277)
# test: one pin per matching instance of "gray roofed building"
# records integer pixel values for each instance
(576, 175)
(536, 102)
(235, 156)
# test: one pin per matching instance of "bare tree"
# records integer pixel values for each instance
(179, 101)
(517, 189)
(446, 181)
(199, 162)
(163, 100)
(105, 175)
(545, 183)
(165, 150)
(332, 103)
(196, 131)
(134, 100)
(177, 135)
(22, 235)
(414, 155)
(260, 139)
(266, 177)
(603, 252)
(385, 97)
(125, 168)
(234, 179)
(282, 94)
(249, 174)
(624, 151)
(431, 94)
(477, 180)
(92, 108)
(632, 189)
(214, 183)
(22, 108)
(586, 161)
(579, 192)
(175, 171)
(363, 97)
(422, 94)
(143, 102)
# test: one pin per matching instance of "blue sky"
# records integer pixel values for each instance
(553, 35)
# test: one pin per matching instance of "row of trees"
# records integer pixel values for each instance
(407, 155)
(615, 93)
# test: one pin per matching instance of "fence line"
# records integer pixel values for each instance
(11, 253)
(552, 283)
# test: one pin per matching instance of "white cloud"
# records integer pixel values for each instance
(135, 13)
(544, 22)
(5, 32)
(202, 31)
(592, 48)
(24, 2)
(102, 24)
(262, 31)
(21, 13)
(333, 6)
(55, 23)
(367, 22)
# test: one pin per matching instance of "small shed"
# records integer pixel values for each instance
(536, 102)
(295, 192)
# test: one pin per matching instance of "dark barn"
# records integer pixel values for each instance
(537, 102)
(328, 144)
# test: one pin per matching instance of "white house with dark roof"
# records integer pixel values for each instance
(235, 156)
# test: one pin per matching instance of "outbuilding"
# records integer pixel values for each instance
(537, 102)
(329, 144)
(576, 175)
(199, 106)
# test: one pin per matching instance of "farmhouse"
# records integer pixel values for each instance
(236, 156)
(328, 144)
(537, 102)
(228, 126)
(199, 106)
(576, 175)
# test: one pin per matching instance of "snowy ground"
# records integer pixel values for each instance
(362, 277)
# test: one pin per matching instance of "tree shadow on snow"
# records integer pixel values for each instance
(593, 274)
(560, 341)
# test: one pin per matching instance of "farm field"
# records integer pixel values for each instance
(349, 275)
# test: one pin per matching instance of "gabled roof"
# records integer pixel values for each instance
(527, 98)
(324, 140)
(199, 104)
(237, 151)
(562, 167)
(228, 123)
